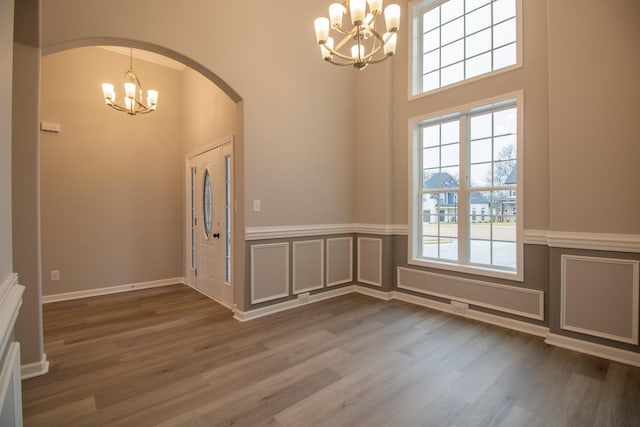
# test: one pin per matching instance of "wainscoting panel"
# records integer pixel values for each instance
(11, 388)
(509, 299)
(339, 261)
(308, 265)
(10, 380)
(269, 272)
(599, 297)
(370, 261)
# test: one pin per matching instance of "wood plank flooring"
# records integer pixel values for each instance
(169, 356)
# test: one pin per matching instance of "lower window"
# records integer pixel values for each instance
(465, 189)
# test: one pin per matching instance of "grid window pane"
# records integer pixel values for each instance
(430, 246)
(452, 74)
(503, 9)
(505, 122)
(504, 56)
(431, 179)
(431, 40)
(453, 53)
(450, 154)
(504, 33)
(480, 252)
(480, 175)
(448, 249)
(431, 136)
(431, 19)
(478, 20)
(451, 10)
(431, 61)
(470, 5)
(502, 171)
(452, 31)
(481, 151)
(504, 148)
(431, 158)
(478, 65)
(431, 81)
(478, 43)
(450, 132)
(504, 254)
(481, 126)
(450, 177)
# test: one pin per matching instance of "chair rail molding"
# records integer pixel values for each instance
(562, 239)
(290, 231)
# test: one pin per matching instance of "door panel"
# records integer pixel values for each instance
(209, 214)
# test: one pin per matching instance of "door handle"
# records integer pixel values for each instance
(216, 235)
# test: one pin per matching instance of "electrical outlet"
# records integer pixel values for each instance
(54, 274)
(459, 307)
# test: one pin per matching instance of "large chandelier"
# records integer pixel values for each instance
(368, 46)
(132, 94)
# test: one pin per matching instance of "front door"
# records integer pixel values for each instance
(209, 219)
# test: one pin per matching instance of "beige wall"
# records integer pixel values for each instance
(6, 72)
(372, 196)
(208, 116)
(298, 123)
(594, 134)
(25, 196)
(111, 184)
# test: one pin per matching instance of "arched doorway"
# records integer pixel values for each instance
(33, 330)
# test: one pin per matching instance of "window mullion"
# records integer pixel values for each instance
(463, 196)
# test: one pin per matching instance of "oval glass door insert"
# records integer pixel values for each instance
(207, 201)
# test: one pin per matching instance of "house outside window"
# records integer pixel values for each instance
(466, 189)
(457, 40)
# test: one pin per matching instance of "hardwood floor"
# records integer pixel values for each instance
(169, 356)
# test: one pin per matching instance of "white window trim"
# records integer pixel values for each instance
(415, 217)
(414, 55)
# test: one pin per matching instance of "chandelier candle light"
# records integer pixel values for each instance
(133, 94)
(369, 47)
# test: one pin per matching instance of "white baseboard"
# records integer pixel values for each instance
(244, 316)
(599, 350)
(516, 325)
(207, 295)
(31, 370)
(111, 290)
(386, 296)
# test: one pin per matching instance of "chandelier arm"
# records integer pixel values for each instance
(118, 107)
(377, 61)
(338, 54)
(342, 31)
(375, 50)
(342, 64)
(342, 42)
(140, 106)
(367, 58)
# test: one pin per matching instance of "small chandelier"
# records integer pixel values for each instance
(368, 47)
(133, 94)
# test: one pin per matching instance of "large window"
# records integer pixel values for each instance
(465, 213)
(457, 40)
